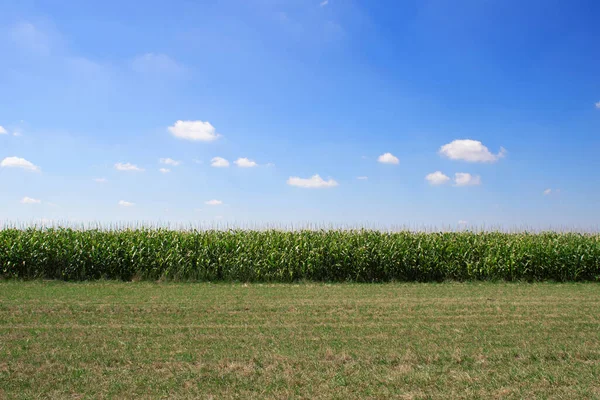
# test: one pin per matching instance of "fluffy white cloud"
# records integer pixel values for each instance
(466, 179)
(194, 130)
(388, 158)
(3, 131)
(324, 3)
(101, 180)
(547, 192)
(362, 178)
(314, 182)
(169, 161)
(598, 105)
(128, 167)
(219, 162)
(16, 162)
(470, 150)
(437, 178)
(124, 203)
(165, 170)
(245, 163)
(29, 200)
(213, 202)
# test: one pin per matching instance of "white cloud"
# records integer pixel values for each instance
(3, 131)
(194, 130)
(16, 162)
(29, 200)
(314, 182)
(362, 178)
(598, 105)
(128, 167)
(219, 162)
(165, 170)
(388, 158)
(437, 178)
(213, 202)
(547, 192)
(124, 203)
(169, 161)
(470, 150)
(101, 180)
(324, 3)
(462, 222)
(245, 163)
(466, 179)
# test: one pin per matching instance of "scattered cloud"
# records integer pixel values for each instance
(197, 161)
(219, 162)
(270, 165)
(101, 180)
(213, 202)
(245, 163)
(470, 150)
(362, 178)
(462, 222)
(169, 161)
(29, 200)
(314, 182)
(598, 105)
(388, 158)
(16, 162)
(437, 178)
(157, 64)
(547, 192)
(466, 179)
(128, 167)
(194, 130)
(124, 203)
(324, 3)
(165, 170)
(3, 131)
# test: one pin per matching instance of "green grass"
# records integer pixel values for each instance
(345, 341)
(277, 256)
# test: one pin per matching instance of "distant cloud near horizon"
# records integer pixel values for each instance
(198, 131)
(437, 178)
(169, 161)
(124, 203)
(29, 200)
(470, 151)
(314, 182)
(388, 158)
(219, 162)
(213, 202)
(245, 163)
(466, 179)
(128, 167)
(17, 162)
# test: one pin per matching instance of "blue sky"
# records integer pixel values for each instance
(506, 94)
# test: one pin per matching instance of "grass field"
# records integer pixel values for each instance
(149, 340)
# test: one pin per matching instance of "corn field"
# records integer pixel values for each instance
(288, 256)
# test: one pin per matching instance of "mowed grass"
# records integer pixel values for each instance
(345, 341)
